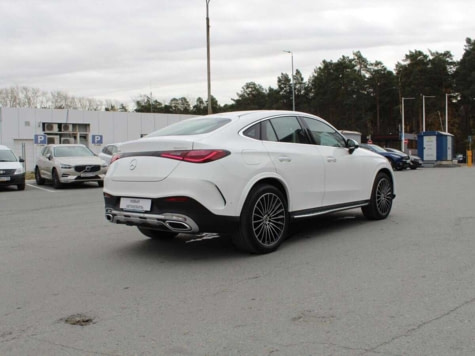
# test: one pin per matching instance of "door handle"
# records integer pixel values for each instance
(331, 159)
(284, 159)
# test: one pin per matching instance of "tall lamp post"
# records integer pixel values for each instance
(447, 111)
(210, 109)
(424, 111)
(292, 76)
(402, 128)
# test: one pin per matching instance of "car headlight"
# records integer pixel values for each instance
(20, 170)
(66, 166)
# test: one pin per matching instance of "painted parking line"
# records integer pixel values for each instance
(40, 188)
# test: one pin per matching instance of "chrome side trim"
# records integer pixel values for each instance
(327, 211)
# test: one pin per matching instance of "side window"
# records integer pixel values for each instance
(261, 131)
(268, 133)
(323, 134)
(253, 132)
(288, 129)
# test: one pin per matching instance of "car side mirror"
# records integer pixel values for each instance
(352, 145)
(21, 160)
(49, 156)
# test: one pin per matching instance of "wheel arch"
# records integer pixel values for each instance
(270, 180)
(390, 174)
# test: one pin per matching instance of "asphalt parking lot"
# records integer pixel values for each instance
(74, 284)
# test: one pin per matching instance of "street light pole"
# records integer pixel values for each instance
(424, 111)
(210, 109)
(402, 128)
(447, 111)
(292, 76)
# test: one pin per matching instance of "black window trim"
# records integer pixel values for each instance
(302, 124)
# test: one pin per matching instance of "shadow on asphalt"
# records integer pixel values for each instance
(219, 247)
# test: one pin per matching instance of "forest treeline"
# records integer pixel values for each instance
(352, 93)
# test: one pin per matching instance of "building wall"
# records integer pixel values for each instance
(18, 126)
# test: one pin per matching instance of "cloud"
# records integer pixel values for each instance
(119, 50)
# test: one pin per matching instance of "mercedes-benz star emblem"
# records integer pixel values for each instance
(133, 164)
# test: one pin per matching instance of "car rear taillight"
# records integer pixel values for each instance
(115, 157)
(195, 156)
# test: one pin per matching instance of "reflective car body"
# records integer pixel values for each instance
(69, 163)
(246, 172)
(399, 161)
(414, 161)
(12, 171)
(108, 151)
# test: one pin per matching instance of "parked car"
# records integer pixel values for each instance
(108, 151)
(11, 169)
(69, 163)
(248, 173)
(398, 161)
(460, 158)
(414, 161)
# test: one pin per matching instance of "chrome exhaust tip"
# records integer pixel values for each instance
(178, 226)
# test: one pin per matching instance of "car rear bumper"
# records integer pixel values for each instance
(184, 215)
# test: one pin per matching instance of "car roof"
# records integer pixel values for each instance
(252, 115)
(4, 148)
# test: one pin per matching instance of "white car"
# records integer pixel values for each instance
(108, 152)
(249, 173)
(11, 169)
(69, 163)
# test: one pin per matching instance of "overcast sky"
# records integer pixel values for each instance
(118, 49)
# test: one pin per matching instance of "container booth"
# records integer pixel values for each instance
(435, 146)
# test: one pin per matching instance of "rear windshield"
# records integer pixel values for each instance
(191, 127)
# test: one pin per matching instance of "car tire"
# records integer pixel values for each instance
(56, 181)
(157, 234)
(264, 221)
(38, 178)
(381, 199)
(21, 186)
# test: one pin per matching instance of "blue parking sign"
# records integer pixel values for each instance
(96, 139)
(41, 140)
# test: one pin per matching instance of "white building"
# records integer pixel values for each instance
(25, 130)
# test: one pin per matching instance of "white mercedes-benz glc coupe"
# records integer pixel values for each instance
(248, 173)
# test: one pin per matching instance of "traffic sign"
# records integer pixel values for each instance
(96, 139)
(40, 140)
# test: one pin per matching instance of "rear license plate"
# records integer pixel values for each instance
(4, 179)
(135, 204)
